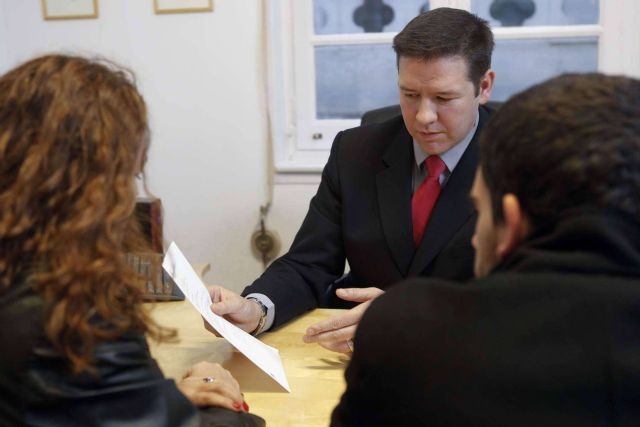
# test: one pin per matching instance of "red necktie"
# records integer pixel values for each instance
(424, 199)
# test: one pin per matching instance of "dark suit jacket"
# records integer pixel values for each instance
(362, 213)
(550, 338)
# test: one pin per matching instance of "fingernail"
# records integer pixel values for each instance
(237, 406)
(245, 406)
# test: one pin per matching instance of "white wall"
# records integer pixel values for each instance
(291, 196)
(202, 76)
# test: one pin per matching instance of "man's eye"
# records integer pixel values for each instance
(443, 99)
(410, 95)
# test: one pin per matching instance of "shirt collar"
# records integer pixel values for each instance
(452, 156)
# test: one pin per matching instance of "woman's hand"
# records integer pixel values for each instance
(209, 384)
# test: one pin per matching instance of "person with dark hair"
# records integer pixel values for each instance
(393, 199)
(73, 136)
(549, 332)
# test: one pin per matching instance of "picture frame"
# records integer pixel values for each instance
(182, 6)
(69, 9)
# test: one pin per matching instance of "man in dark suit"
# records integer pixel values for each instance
(393, 200)
(549, 334)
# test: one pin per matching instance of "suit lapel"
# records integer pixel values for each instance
(394, 199)
(452, 208)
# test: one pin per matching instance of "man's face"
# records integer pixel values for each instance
(439, 104)
(485, 238)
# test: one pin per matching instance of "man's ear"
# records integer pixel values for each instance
(516, 226)
(486, 86)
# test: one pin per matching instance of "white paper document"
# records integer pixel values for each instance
(263, 356)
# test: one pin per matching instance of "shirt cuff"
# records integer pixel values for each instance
(271, 311)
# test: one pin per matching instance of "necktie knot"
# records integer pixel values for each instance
(435, 166)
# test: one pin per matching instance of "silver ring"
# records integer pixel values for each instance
(350, 344)
(208, 379)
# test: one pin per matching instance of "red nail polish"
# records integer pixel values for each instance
(236, 406)
(245, 406)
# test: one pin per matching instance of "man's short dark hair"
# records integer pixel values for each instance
(567, 145)
(446, 32)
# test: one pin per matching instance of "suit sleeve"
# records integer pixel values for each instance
(298, 281)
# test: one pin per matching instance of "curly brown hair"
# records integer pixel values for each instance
(73, 135)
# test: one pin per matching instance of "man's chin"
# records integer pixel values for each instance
(434, 146)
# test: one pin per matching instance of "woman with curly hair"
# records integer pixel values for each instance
(73, 136)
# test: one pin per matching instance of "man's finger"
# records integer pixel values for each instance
(215, 293)
(336, 322)
(339, 347)
(334, 336)
(337, 340)
(358, 294)
(222, 307)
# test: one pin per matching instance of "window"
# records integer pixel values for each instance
(331, 60)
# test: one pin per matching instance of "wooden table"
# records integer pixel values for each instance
(315, 374)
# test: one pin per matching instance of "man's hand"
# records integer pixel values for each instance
(238, 310)
(334, 332)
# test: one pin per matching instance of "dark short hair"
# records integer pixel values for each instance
(446, 32)
(566, 145)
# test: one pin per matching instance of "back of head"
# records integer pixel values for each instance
(446, 32)
(73, 133)
(569, 144)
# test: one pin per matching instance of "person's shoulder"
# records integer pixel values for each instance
(379, 115)
(491, 106)
(487, 110)
(408, 289)
(410, 301)
(431, 302)
(366, 144)
(381, 133)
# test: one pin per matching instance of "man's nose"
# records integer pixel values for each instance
(427, 113)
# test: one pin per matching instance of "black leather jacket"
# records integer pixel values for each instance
(127, 388)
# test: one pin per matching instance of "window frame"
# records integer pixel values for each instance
(301, 143)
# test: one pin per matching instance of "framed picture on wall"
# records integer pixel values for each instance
(182, 6)
(69, 9)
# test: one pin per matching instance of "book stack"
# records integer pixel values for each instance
(158, 284)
